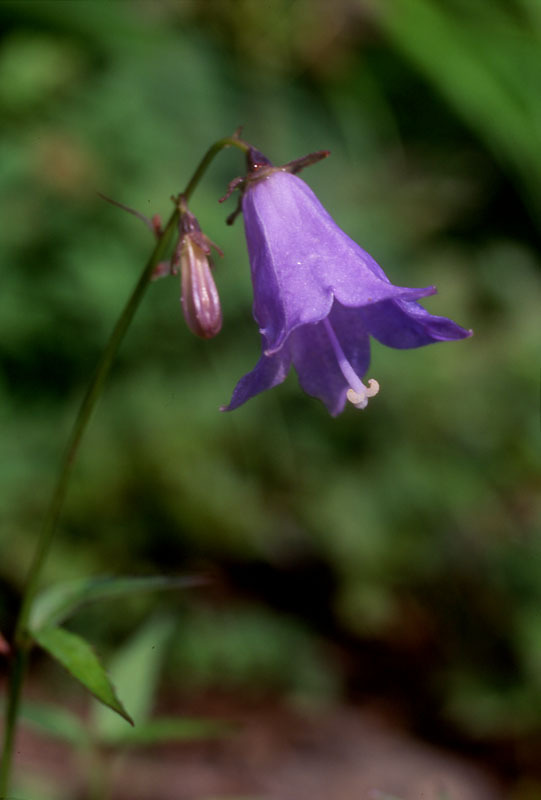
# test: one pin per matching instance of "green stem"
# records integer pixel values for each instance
(16, 678)
(22, 641)
(228, 141)
(85, 411)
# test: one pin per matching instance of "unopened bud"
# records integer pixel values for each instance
(200, 299)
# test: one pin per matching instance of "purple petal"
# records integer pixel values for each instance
(400, 324)
(315, 361)
(268, 372)
(301, 259)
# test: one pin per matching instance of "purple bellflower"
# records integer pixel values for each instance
(318, 296)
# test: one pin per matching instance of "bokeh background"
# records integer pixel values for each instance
(393, 554)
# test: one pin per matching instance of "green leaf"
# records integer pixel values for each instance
(56, 721)
(77, 656)
(57, 603)
(172, 729)
(135, 667)
(480, 68)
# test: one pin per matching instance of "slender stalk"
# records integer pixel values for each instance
(22, 641)
(16, 678)
(228, 141)
(85, 411)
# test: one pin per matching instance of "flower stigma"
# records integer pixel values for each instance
(358, 394)
(361, 400)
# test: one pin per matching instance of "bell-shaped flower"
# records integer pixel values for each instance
(318, 297)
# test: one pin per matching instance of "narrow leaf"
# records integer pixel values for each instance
(486, 92)
(77, 656)
(57, 603)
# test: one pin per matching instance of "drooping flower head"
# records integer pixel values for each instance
(318, 296)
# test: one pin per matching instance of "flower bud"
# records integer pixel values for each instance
(200, 299)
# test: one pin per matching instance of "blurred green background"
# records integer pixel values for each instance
(408, 535)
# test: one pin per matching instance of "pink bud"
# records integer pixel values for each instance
(200, 300)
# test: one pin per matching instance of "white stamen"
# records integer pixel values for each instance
(358, 394)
